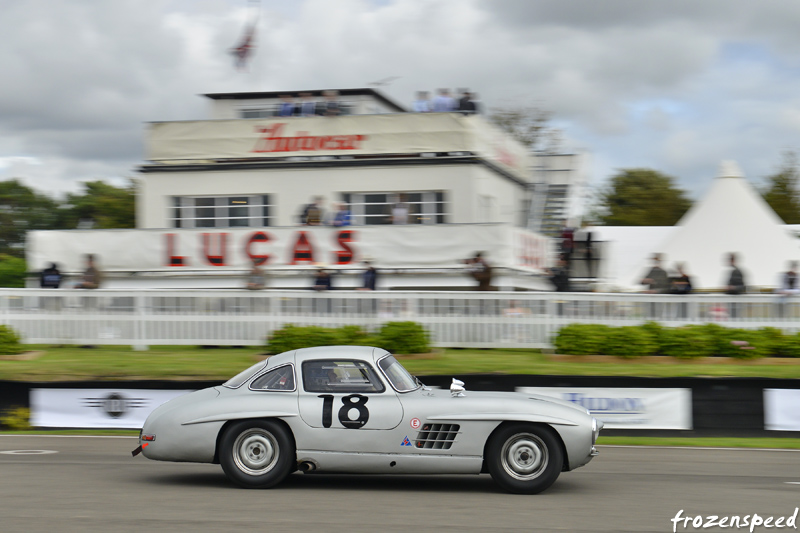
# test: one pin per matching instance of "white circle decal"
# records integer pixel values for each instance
(415, 423)
(29, 452)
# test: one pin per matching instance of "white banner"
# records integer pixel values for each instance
(96, 408)
(782, 409)
(176, 250)
(396, 133)
(628, 408)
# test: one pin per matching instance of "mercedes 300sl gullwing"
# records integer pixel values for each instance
(355, 409)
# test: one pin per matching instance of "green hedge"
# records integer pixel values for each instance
(9, 341)
(685, 342)
(395, 337)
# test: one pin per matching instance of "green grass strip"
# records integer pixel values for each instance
(706, 442)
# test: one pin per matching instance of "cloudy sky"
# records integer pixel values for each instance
(675, 86)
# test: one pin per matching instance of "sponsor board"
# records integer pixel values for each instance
(96, 408)
(628, 408)
(782, 409)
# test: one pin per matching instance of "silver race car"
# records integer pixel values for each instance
(355, 409)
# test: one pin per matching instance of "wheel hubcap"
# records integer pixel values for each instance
(524, 456)
(255, 451)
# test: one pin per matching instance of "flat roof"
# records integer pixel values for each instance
(366, 91)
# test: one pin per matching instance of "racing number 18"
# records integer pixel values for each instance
(352, 401)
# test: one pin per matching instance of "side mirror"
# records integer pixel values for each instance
(457, 388)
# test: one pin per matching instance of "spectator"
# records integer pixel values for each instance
(369, 278)
(789, 281)
(256, 279)
(313, 213)
(736, 283)
(400, 210)
(92, 278)
(322, 281)
(331, 107)
(307, 107)
(586, 235)
(443, 103)
(559, 276)
(422, 104)
(481, 271)
(342, 216)
(656, 279)
(682, 283)
(567, 242)
(50, 277)
(286, 109)
(467, 105)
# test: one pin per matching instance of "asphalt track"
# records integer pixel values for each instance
(93, 484)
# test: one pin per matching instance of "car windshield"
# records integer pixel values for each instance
(399, 376)
(236, 381)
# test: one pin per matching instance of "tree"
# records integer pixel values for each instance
(528, 125)
(12, 271)
(21, 210)
(641, 197)
(781, 191)
(107, 206)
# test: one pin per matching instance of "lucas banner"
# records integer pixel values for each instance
(176, 250)
(782, 409)
(628, 408)
(96, 408)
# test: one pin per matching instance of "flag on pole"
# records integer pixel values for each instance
(242, 52)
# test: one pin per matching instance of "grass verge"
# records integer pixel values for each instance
(707, 442)
(120, 363)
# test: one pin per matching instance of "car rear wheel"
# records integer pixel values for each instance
(256, 454)
(524, 458)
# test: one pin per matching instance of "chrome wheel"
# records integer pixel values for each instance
(524, 456)
(255, 451)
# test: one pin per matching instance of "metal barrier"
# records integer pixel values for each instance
(465, 319)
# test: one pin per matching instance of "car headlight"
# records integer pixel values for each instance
(597, 425)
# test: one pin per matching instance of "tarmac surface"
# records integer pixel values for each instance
(93, 484)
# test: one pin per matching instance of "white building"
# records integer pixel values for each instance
(217, 194)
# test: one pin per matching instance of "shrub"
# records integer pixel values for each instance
(629, 342)
(688, 342)
(403, 338)
(741, 343)
(396, 337)
(291, 337)
(16, 418)
(12, 271)
(581, 339)
(791, 345)
(773, 342)
(656, 331)
(9, 341)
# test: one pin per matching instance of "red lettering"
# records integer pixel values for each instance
(272, 141)
(346, 254)
(257, 237)
(172, 259)
(214, 248)
(303, 251)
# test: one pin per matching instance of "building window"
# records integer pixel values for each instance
(273, 110)
(250, 211)
(373, 208)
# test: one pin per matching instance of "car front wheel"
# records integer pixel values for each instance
(524, 458)
(256, 454)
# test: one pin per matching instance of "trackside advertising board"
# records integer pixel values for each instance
(628, 408)
(96, 408)
(782, 409)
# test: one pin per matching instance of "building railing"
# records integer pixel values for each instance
(142, 318)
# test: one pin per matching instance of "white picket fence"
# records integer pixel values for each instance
(143, 318)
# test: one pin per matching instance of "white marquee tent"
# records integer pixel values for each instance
(733, 217)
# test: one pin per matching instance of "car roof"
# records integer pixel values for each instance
(366, 353)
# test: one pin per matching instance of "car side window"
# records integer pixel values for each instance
(278, 379)
(329, 375)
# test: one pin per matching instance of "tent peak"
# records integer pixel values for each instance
(730, 169)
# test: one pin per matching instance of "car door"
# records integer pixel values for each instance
(346, 394)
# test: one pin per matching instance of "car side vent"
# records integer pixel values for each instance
(437, 436)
